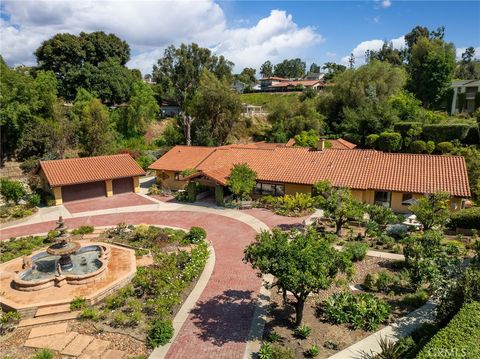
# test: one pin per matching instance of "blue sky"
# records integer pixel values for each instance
(247, 32)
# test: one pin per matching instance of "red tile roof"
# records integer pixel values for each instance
(356, 169)
(338, 144)
(182, 158)
(89, 169)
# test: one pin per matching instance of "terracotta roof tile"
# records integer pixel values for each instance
(182, 158)
(357, 169)
(89, 169)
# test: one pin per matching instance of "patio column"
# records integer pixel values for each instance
(57, 193)
(109, 188)
(136, 184)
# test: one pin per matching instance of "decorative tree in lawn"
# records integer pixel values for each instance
(338, 204)
(378, 218)
(432, 210)
(242, 180)
(302, 263)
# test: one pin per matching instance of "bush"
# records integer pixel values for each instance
(265, 351)
(468, 218)
(445, 132)
(92, 314)
(356, 251)
(190, 193)
(418, 147)
(145, 161)
(289, 205)
(364, 311)
(313, 351)
(44, 354)
(459, 337)
(379, 282)
(78, 303)
(389, 141)
(273, 337)
(417, 299)
(371, 141)
(34, 200)
(83, 230)
(303, 331)
(196, 235)
(17, 247)
(445, 147)
(12, 191)
(160, 333)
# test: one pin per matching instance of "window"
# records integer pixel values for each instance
(271, 189)
(382, 198)
(406, 197)
(177, 176)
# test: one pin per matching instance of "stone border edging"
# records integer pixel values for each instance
(188, 305)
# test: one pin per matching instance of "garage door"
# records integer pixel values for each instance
(122, 185)
(83, 191)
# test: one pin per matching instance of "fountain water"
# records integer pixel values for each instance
(63, 247)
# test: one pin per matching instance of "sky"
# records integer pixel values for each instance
(245, 32)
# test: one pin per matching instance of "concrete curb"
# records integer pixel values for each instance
(188, 305)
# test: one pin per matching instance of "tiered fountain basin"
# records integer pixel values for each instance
(117, 270)
(89, 263)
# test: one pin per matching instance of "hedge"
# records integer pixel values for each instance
(468, 218)
(459, 339)
(445, 132)
(403, 127)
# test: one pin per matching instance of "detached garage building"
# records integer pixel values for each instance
(89, 177)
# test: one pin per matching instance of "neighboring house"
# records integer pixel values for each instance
(279, 84)
(466, 96)
(389, 179)
(337, 144)
(170, 108)
(90, 177)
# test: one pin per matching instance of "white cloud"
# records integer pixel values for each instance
(359, 51)
(386, 3)
(331, 55)
(149, 27)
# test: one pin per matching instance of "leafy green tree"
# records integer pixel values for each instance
(389, 141)
(378, 218)
(179, 71)
(307, 139)
(469, 67)
(46, 86)
(338, 204)
(431, 68)
(386, 53)
(97, 131)
(94, 61)
(247, 76)
(408, 108)
(12, 191)
(416, 33)
(142, 109)
(266, 70)
(302, 263)
(293, 68)
(314, 68)
(171, 136)
(242, 180)
(472, 160)
(333, 70)
(432, 210)
(217, 109)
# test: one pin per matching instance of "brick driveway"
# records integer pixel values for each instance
(219, 325)
(117, 201)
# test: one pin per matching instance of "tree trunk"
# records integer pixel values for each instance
(299, 311)
(187, 127)
(338, 226)
(284, 296)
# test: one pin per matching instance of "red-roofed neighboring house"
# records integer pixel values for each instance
(388, 179)
(90, 177)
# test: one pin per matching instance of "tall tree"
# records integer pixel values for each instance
(431, 69)
(97, 133)
(86, 59)
(332, 69)
(266, 70)
(387, 53)
(293, 68)
(142, 109)
(179, 71)
(314, 68)
(242, 180)
(431, 210)
(216, 108)
(469, 67)
(302, 263)
(351, 61)
(247, 76)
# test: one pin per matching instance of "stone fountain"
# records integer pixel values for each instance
(63, 247)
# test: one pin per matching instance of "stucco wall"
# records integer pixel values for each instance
(291, 188)
(166, 179)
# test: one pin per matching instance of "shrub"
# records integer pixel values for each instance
(468, 218)
(273, 337)
(356, 251)
(389, 141)
(160, 332)
(445, 147)
(196, 235)
(445, 132)
(371, 141)
(78, 303)
(289, 205)
(34, 200)
(44, 354)
(417, 299)
(17, 247)
(364, 311)
(190, 193)
(265, 351)
(92, 314)
(242, 180)
(418, 146)
(12, 191)
(459, 336)
(303, 331)
(83, 230)
(145, 161)
(313, 351)
(379, 282)
(397, 231)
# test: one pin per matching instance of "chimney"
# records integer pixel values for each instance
(321, 144)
